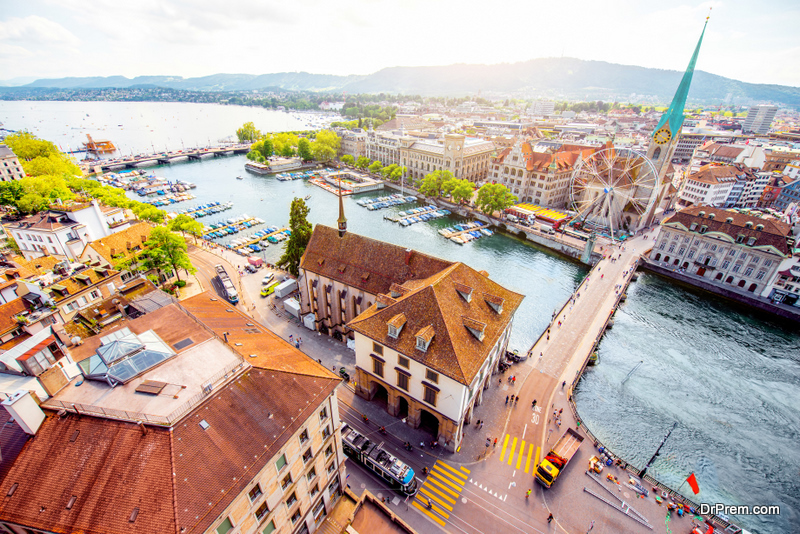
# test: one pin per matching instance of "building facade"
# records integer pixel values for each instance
(10, 167)
(759, 119)
(725, 247)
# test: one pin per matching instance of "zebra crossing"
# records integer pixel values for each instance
(438, 495)
(519, 457)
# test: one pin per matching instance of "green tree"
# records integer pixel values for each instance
(398, 173)
(295, 246)
(54, 165)
(248, 132)
(462, 191)
(494, 197)
(346, 159)
(27, 146)
(287, 151)
(165, 250)
(11, 192)
(375, 167)
(388, 170)
(186, 225)
(326, 145)
(362, 162)
(433, 183)
(304, 149)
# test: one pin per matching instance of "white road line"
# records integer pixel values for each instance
(524, 430)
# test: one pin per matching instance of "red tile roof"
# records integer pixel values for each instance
(8, 311)
(435, 311)
(372, 265)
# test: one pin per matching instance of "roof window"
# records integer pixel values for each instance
(424, 338)
(463, 290)
(476, 328)
(396, 325)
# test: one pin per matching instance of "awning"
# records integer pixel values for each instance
(37, 348)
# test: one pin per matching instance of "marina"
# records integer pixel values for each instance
(415, 215)
(230, 227)
(206, 209)
(259, 240)
(464, 233)
(386, 202)
(169, 199)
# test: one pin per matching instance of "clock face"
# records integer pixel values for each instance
(662, 136)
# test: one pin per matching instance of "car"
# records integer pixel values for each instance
(250, 268)
(269, 290)
(267, 279)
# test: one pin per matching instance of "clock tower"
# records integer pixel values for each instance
(664, 138)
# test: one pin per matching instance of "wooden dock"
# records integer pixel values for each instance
(260, 239)
(234, 225)
(423, 211)
(478, 228)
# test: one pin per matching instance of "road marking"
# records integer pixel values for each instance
(503, 451)
(524, 430)
(521, 453)
(528, 461)
(445, 488)
(452, 470)
(467, 471)
(435, 499)
(513, 448)
(425, 511)
(442, 478)
(438, 492)
(536, 462)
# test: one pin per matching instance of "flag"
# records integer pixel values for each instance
(693, 483)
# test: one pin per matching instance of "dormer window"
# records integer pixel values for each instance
(424, 338)
(751, 241)
(748, 224)
(729, 220)
(693, 227)
(759, 227)
(703, 229)
(740, 238)
(711, 215)
(396, 324)
(396, 291)
(463, 290)
(383, 301)
(476, 328)
(494, 302)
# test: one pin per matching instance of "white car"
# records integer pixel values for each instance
(267, 279)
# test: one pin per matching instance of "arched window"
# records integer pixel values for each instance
(657, 152)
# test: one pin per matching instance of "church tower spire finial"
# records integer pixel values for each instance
(342, 219)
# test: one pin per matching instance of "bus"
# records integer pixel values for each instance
(372, 456)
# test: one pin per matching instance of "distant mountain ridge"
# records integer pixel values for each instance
(548, 77)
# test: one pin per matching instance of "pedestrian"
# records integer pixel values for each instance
(513, 380)
(564, 383)
(560, 410)
(297, 345)
(559, 324)
(481, 425)
(516, 400)
(506, 399)
(541, 354)
(548, 337)
(579, 424)
(550, 518)
(528, 494)
(300, 340)
(533, 404)
(291, 338)
(495, 442)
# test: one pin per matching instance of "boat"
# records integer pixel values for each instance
(594, 359)
(239, 178)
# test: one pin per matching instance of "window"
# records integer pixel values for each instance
(303, 436)
(430, 396)
(760, 275)
(225, 526)
(329, 451)
(736, 267)
(433, 377)
(393, 331)
(326, 432)
(311, 474)
(314, 490)
(331, 468)
(377, 367)
(732, 252)
(402, 381)
(661, 245)
(748, 271)
(740, 238)
(682, 250)
(280, 463)
(269, 528)
(319, 511)
(672, 247)
(323, 414)
(754, 260)
(377, 349)
(254, 493)
(291, 500)
(286, 482)
(767, 263)
(296, 516)
(713, 248)
(402, 361)
(95, 294)
(691, 254)
(726, 264)
(751, 241)
(261, 511)
(307, 456)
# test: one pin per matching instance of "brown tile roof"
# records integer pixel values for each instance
(169, 322)
(373, 266)
(7, 313)
(408, 123)
(435, 307)
(773, 234)
(257, 345)
(48, 221)
(397, 321)
(715, 174)
(109, 466)
(123, 244)
(75, 284)
(36, 266)
(12, 440)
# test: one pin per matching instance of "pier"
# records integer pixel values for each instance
(407, 215)
(253, 220)
(457, 233)
(258, 240)
(165, 158)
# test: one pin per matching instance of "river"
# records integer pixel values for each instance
(730, 378)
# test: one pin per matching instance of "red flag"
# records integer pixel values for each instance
(693, 483)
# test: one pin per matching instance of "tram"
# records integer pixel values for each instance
(399, 475)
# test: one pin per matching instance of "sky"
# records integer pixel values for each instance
(756, 42)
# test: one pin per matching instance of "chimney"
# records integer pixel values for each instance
(409, 252)
(128, 245)
(25, 411)
(142, 428)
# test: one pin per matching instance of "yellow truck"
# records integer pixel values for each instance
(559, 456)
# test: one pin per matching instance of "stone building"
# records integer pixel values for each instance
(10, 167)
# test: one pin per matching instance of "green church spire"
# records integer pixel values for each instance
(673, 117)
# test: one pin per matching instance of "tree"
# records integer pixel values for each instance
(348, 159)
(388, 170)
(326, 145)
(398, 173)
(248, 132)
(295, 246)
(185, 224)
(166, 249)
(362, 162)
(11, 192)
(433, 182)
(375, 167)
(54, 165)
(304, 149)
(463, 191)
(27, 146)
(494, 197)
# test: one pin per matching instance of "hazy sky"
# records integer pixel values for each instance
(747, 40)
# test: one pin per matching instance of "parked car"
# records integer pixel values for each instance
(267, 279)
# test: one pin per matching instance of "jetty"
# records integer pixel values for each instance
(466, 232)
(206, 209)
(415, 215)
(230, 227)
(271, 235)
(165, 158)
(385, 202)
(171, 198)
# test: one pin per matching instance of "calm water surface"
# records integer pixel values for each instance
(731, 379)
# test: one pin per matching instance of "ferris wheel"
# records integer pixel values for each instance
(613, 191)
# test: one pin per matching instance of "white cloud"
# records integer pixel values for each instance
(36, 30)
